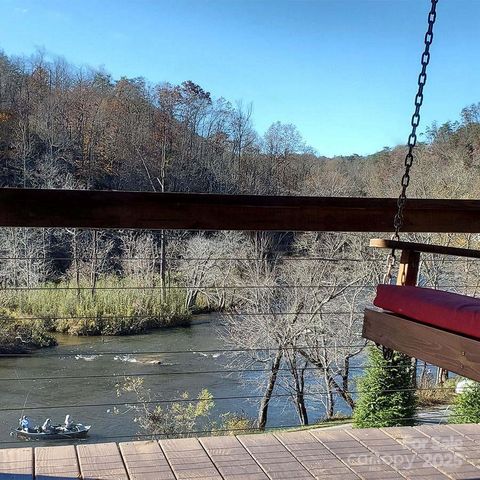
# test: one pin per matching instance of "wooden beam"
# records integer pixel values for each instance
(112, 209)
(451, 351)
(425, 247)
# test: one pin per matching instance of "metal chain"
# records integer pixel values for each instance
(412, 138)
(391, 259)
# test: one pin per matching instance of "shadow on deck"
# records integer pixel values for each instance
(424, 452)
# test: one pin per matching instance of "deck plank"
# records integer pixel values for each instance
(273, 457)
(232, 459)
(442, 443)
(101, 461)
(466, 442)
(189, 460)
(468, 430)
(315, 456)
(357, 456)
(425, 459)
(423, 452)
(16, 464)
(59, 463)
(145, 461)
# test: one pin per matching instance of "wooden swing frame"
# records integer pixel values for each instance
(449, 350)
(452, 351)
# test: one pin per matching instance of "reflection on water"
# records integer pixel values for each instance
(168, 377)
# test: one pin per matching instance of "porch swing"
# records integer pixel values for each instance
(439, 327)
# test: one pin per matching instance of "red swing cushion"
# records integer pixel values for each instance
(450, 311)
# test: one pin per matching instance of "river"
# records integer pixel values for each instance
(90, 400)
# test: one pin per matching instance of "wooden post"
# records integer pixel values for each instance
(408, 268)
(408, 275)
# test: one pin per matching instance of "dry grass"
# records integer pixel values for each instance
(430, 394)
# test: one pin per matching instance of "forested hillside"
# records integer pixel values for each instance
(68, 127)
(77, 128)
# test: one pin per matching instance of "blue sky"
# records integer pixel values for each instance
(343, 71)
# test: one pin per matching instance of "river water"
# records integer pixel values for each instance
(91, 400)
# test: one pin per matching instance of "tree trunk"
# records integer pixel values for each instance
(343, 390)
(442, 376)
(191, 299)
(16, 255)
(423, 374)
(301, 408)
(75, 261)
(300, 397)
(345, 384)
(93, 270)
(263, 411)
(298, 375)
(163, 270)
(330, 406)
(414, 373)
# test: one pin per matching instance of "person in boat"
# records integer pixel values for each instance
(47, 426)
(68, 422)
(25, 423)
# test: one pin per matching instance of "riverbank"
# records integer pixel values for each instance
(23, 335)
(115, 306)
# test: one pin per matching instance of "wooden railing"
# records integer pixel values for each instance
(135, 210)
(113, 209)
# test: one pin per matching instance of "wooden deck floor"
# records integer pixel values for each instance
(425, 452)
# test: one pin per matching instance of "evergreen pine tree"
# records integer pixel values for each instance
(466, 407)
(387, 396)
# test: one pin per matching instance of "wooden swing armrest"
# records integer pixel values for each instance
(424, 248)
